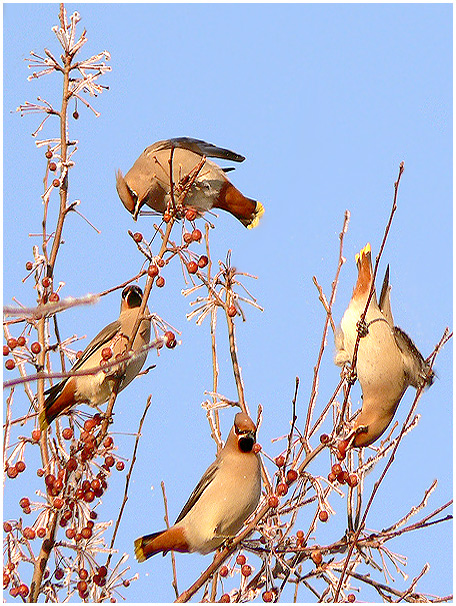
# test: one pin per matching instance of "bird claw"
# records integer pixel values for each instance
(351, 375)
(362, 327)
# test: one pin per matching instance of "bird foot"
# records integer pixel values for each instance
(362, 327)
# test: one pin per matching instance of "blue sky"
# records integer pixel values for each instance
(324, 101)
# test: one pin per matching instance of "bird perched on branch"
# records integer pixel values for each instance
(387, 359)
(111, 342)
(226, 495)
(197, 183)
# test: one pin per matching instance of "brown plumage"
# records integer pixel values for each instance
(226, 495)
(198, 183)
(387, 362)
(95, 389)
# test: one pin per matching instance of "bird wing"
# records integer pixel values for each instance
(385, 302)
(103, 337)
(416, 368)
(207, 478)
(197, 146)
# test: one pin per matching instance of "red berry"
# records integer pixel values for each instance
(292, 476)
(280, 461)
(153, 271)
(316, 557)
(324, 438)
(323, 515)
(160, 282)
(67, 433)
(95, 484)
(7, 527)
(232, 311)
(166, 217)
(196, 235)
(72, 464)
(53, 166)
(225, 598)
(241, 559)
(6, 350)
(20, 466)
(12, 343)
(24, 502)
(300, 534)
(203, 261)
(268, 596)
(108, 442)
(190, 214)
(187, 238)
(55, 182)
(137, 237)
(331, 476)
(93, 515)
(256, 448)
(342, 446)
(109, 461)
(79, 354)
(351, 597)
(35, 347)
(282, 489)
(58, 503)
(6, 580)
(36, 435)
(160, 262)
(89, 424)
(40, 472)
(192, 267)
(86, 532)
(54, 297)
(336, 468)
(41, 533)
(23, 590)
(170, 338)
(223, 572)
(126, 583)
(102, 571)
(82, 586)
(76, 116)
(48, 154)
(14, 592)
(59, 573)
(246, 570)
(120, 465)
(46, 282)
(29, 533)
(341, 477)
(273, 501)
(83, 574)
(10, 364)
(29, 266)
(352, 480)
(21, 341)
(12, 472)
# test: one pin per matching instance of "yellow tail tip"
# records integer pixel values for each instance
(363, 252)
(259, 212)
(139, 551)
(43, 421)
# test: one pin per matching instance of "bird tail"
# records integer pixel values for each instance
(59, 398)
(364, 264)
(165, 540)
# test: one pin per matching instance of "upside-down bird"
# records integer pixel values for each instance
(197, 183)
(226, 495)
(387, 360)
(95, 389)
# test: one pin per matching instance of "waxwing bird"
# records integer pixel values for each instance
(226, 495)
(199, 183)
(95, 389)
(387, 360)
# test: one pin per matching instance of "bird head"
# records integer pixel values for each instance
(245, 431)
(132, 296)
